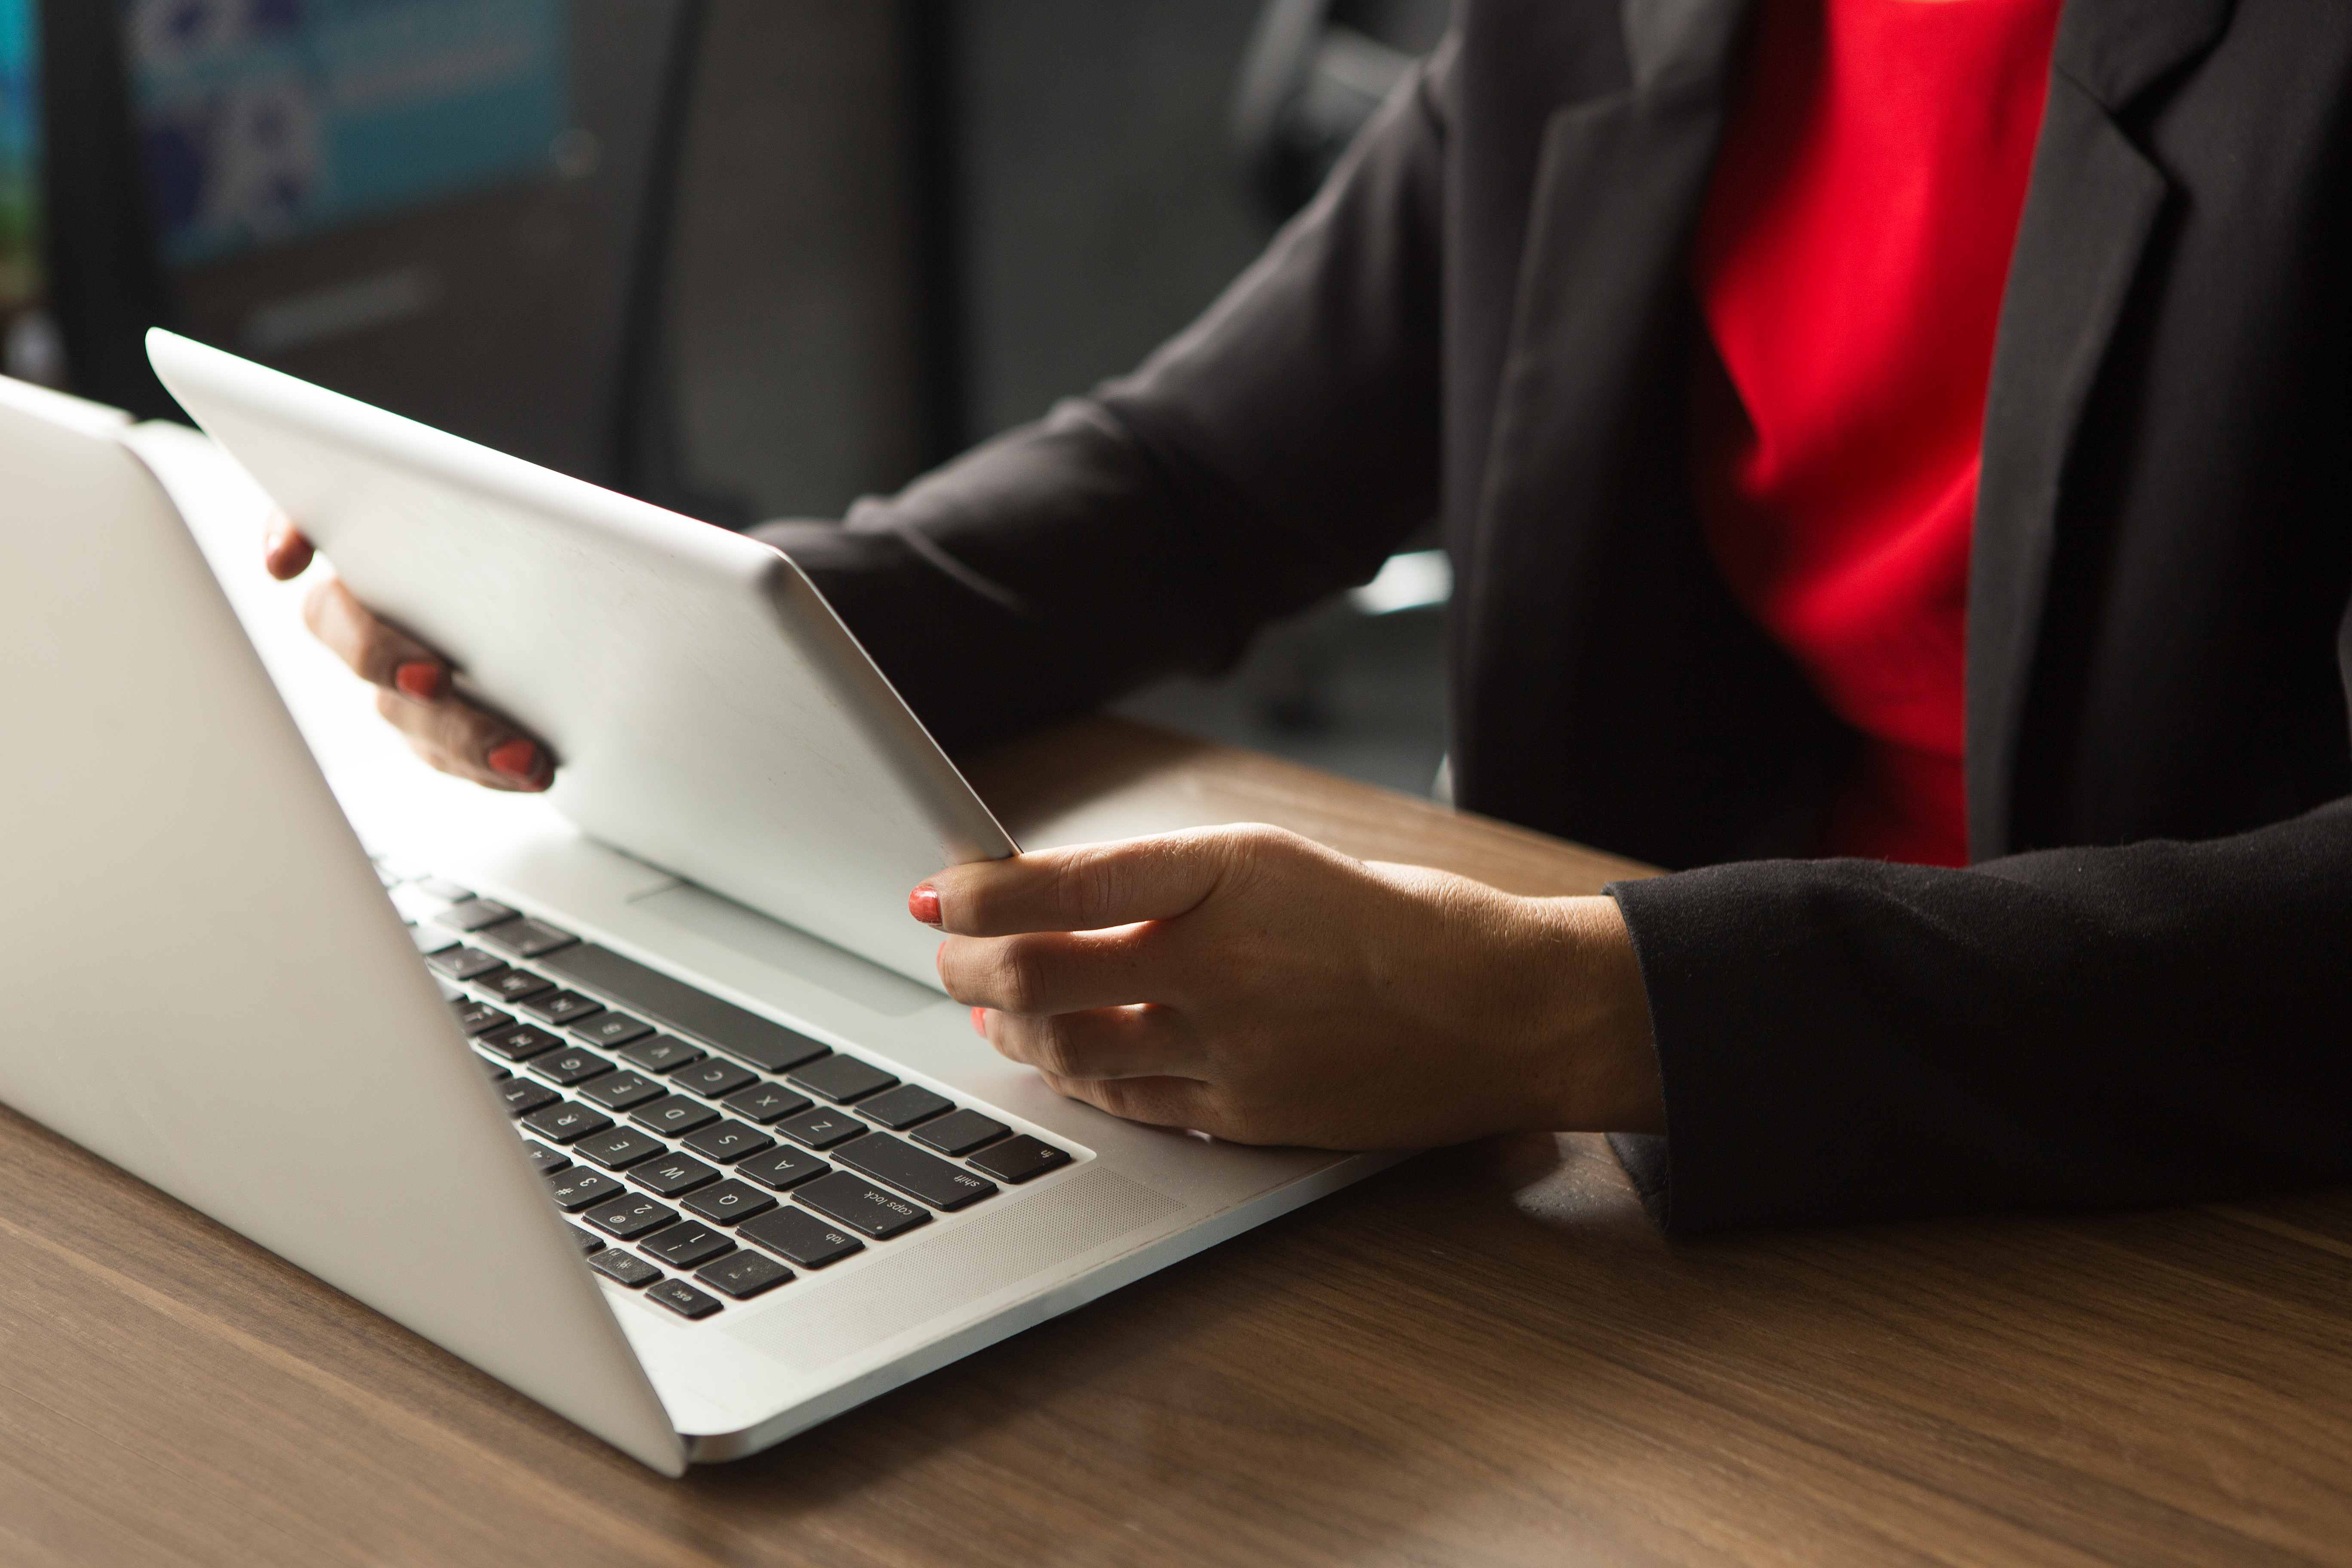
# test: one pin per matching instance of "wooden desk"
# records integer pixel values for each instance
(1486, 1355)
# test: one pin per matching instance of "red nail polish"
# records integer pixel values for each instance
(516, 759)
(923, 903)
(421, 678)
(980, 1022)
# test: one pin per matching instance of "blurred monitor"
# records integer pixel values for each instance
(29, 344)
(452, 208)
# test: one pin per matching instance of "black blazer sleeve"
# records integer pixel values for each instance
(2152, 1024)
(1273, 452)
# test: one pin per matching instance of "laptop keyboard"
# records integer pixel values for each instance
(703, 1153)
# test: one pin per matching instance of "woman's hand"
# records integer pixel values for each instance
(1255, 985)
(413, 687)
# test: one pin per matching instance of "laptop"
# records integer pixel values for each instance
(693, 1178)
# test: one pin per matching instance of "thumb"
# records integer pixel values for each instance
(1084, 886)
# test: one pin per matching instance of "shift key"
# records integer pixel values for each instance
(909, 1169)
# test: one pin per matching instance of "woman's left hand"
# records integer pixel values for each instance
(1256, 986)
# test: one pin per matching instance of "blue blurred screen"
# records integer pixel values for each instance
(264, 120)
(20, 156)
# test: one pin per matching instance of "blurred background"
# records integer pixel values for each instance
(746, 259)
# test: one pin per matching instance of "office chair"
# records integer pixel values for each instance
(1313, 74)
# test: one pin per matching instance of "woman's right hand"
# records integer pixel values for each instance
(414, 691)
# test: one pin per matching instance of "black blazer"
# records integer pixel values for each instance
(2142, 992)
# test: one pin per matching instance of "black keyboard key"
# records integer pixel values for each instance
(561, 1006)
(713, 1078)
(578, 1188)
(463, 962)
(513, 984)
(430, 939)
(524, 939)
(662, 1053)
(1018, 1159)
(860, 1205)
(962, 1132)
(783, 1168)
(840, 1079)
(900, 1107)
(728, 1203)
(624, 1268)
(629, 1215)
(803, 1238)
(909, 1169)
(683, 1299)
(672, 1174)
(491, 1070)
(765, 1103)
(727, 1142)
(821, 1129)
(447, 891)
(473, 914)
(516, 1042)
(675, 1004)
(618, 1150)
(571, 1066)
(522, 1097)
(743, 1275)
(564, 1122)
(688, 1244)
(673, 1114)
(585, 1242)
(544, 1160)
(623, 1090)
(479, 1017)
(611, 1029)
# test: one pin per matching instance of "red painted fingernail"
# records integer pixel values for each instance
(420, 678)
(923, 903)
(980, 1022)
(516, 759)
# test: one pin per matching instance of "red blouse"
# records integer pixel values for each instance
(1849, 264)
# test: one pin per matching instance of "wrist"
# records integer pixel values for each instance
(1595, 1037)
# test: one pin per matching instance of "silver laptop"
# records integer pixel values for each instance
(689, 1176)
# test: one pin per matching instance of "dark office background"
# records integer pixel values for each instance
(746, 257)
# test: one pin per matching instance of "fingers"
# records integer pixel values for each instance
(285, 551)
(1058, 971)
(414, 691)
(458, 738)
(376, 652)
(1085, 887)
(1154, 1101)
(1101, 1043)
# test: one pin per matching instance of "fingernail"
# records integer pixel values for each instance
(980, 1022)
(420, 679)
(516, 759)
(923, 903)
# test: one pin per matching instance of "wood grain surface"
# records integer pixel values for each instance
(1483, 1356)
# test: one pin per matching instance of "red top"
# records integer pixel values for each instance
(1849, 261)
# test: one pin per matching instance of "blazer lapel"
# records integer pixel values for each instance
(1617, 187)
(2092, 205)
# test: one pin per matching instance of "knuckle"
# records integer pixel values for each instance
(462, 731)
(1020, 977)
(1084, 884)
(1053, 1049)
